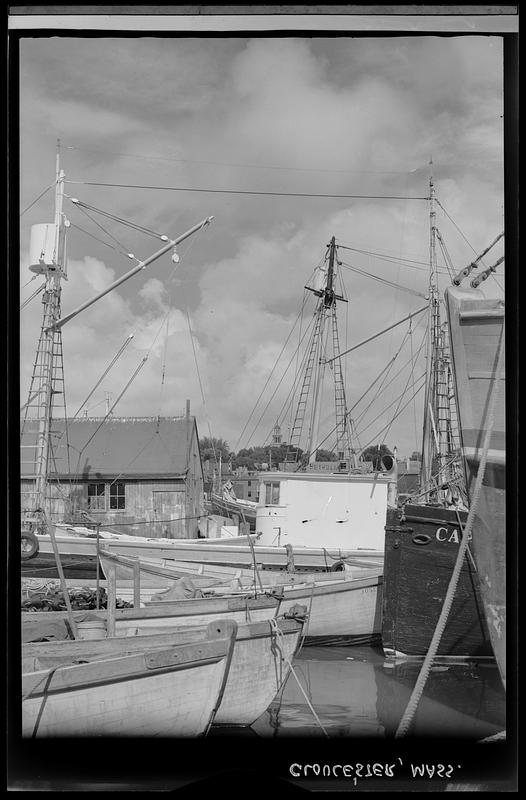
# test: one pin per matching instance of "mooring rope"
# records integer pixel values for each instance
(416, 694)
(279, 635)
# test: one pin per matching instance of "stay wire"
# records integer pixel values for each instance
(270, 374)
(115, 218)
(382, 280)
(38, 198)
(246, 192)
(228, 164)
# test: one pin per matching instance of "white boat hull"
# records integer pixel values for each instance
(172, 691)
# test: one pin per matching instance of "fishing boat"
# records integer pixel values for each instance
(225, 502)
(478, 354)
(424, 534)
(164, 572)
(260, 660)
(82, 549)
(159, 686)
(341, 610)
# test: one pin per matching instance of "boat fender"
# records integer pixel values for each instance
(29, 547)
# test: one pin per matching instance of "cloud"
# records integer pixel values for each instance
(335, 116)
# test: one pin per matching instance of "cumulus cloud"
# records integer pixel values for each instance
(303, 116)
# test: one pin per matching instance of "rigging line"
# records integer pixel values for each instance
(270, 374)
(116, 218)
(380, 433)
(240, 191)
(108, 414)
(395, 260)
(101, 241)
(414, 403)
(397, 374)
(411, 375)
(37, 291)
(299, 372)
(384, 410)
(376, 335)
(387, 366)
(38, 198)
(109, 523)
(108, 368)
(125, 251)
(294, 355)
(272, 396)
(123, 471)
(382, 388)
(251, 166)
(284, 409)
(384, 256)
(462, 234)
(445, 253)
(205, 410)
(382, 280)
(30, 281)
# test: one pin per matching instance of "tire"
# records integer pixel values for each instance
(338, 566)
(29, 546)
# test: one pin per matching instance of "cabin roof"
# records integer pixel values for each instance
(135, 447)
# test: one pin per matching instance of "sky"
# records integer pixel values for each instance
(258, 120)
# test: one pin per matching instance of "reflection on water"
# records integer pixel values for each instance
(356, 692)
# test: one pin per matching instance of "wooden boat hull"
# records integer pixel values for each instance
(229, 555)
(477, 336)
(258, 667)
(167, 614)
(231, 508)
(339, 613)
(169, 689)
(163, 572)
(420, 553)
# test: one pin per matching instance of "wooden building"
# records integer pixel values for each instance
(136, 475)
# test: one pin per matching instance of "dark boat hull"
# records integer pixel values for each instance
(74, 565)
(420, 554)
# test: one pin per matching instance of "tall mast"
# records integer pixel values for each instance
(314, 372)
(326, 303)
(52, 265)
(48, 257)
(436, 440)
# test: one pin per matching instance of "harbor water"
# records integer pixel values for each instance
(357, 692)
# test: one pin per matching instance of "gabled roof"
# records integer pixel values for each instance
(135, 447)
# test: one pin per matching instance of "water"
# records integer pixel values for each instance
(356, 692)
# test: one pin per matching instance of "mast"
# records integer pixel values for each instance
(48, 257)
(51, 264)
(437, 442)
(325, 320)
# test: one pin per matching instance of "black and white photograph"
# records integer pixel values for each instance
(256, 333)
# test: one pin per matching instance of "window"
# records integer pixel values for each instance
(117, 496)
(96, 496)
(272, 494)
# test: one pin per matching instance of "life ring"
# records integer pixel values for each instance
(29, 546)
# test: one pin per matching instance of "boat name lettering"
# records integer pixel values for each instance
(444, 535)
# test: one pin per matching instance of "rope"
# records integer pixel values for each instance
(279, 635)
(416, 694)
(44, 699)
(240, 191)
